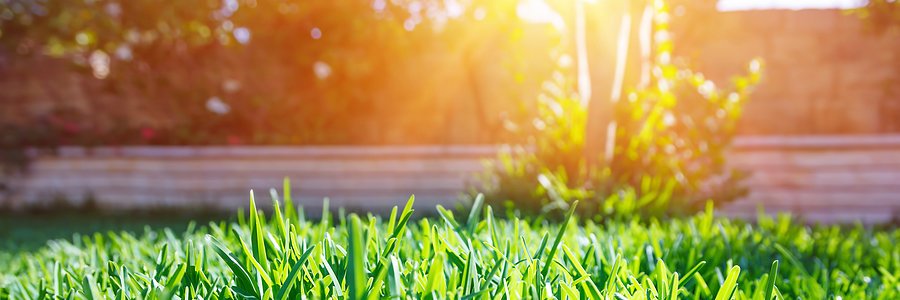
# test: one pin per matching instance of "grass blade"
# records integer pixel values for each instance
(730, 284)
(356, 268)
(770, 284)
(559, 236)
(282, 293)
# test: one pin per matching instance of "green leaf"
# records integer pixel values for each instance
(730, 284)
(257, 236)
(690, 274)
(290, 213)
(559, 236)
(243, 278)
(435, 282)
(356, 268)
(473, 214)
(288, 283)
(770, 283)
(90, 289)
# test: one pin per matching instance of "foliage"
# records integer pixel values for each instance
(671, 140)
(286, 256)
(252, 71)
(880, 15)
(540, 173)
(679, 128)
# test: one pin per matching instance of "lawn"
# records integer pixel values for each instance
(32, 230)
(466, 255)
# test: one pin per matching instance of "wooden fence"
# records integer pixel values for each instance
(372, 178)
(824, 178)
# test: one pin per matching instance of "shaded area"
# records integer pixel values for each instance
(31, 231)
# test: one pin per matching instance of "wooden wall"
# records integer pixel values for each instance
(824, 178)
(221, 177)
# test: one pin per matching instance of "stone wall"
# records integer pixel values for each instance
(826, 72)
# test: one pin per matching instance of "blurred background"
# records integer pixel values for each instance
(148, 107)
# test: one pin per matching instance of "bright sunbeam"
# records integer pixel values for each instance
(537, 11)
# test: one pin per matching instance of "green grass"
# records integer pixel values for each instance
(30, 231)
(467, 256)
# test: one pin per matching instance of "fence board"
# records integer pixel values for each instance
(258, 164)
(806, 159)
(137, 181)
(827, 178)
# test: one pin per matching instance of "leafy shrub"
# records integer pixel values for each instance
(880, 15)
(670, 146)
(553, 151)
(474, 257)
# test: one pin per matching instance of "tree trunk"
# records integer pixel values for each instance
(617, 35)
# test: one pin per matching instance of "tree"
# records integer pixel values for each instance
(626, 25)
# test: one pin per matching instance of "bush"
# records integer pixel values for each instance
(880, 15)
(477, 256)
(669, 158)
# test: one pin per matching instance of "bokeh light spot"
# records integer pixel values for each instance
(242, 35)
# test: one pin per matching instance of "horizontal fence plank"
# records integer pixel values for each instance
(751, 204)
(257, 165)
(821, 142)
(374, 183)
(83, 193)
(229, 201)
(786, 142)
(827, 216)
(831, 178)
(805, 159)
(273, 151)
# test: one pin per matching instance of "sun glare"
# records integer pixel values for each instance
(735, 5)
